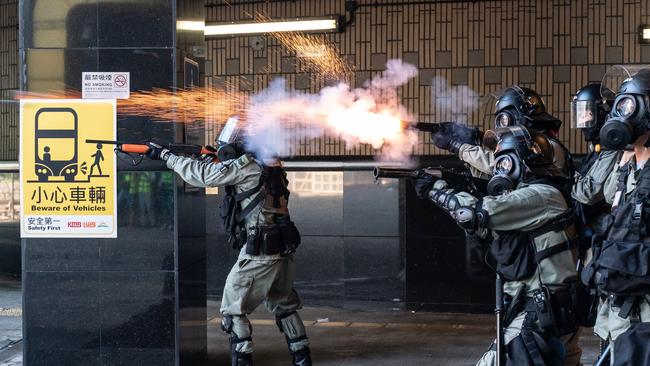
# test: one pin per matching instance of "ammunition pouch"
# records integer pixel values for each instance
(620, 268)
(281, 239)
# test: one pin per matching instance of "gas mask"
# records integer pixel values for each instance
(629, 119)
(229, 144)
(508, 173)
(522, 106)
(516, 150)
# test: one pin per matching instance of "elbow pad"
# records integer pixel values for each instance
(470, 219)
(445, 199)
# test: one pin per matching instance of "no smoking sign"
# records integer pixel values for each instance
(105, 85)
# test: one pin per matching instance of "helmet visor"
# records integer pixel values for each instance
(583, 114)
(229, 132)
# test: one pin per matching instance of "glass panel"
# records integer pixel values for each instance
(9, 198)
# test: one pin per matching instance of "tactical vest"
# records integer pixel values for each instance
(515, 252)
(278, 234)
(621, 264)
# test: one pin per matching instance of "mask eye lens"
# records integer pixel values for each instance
(626, 106)
(504, 165)
(502, 120)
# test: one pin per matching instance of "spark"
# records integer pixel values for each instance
(316, 54)
(184, 105)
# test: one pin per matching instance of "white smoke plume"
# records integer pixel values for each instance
(279, 118)
(453, 103)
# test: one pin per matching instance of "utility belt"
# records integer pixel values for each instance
(282, 239)
(552, 313)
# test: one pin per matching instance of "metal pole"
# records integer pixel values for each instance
(498, 310)
(604, 356)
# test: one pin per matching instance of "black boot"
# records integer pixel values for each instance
(302, 357)
(238, 358)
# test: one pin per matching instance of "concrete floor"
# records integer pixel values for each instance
(378, 338)
(339, 337)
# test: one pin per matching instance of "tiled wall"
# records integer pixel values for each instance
(8, 79)
(552, 46)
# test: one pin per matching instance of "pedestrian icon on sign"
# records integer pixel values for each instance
(98, 158)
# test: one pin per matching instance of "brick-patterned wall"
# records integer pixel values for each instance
(552, 46)
(8, 79)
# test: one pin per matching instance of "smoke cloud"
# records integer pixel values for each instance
(453, 103)
(279, 119)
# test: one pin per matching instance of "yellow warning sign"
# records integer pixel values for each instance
(68, 185)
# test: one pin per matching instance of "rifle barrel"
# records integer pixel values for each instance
(389, 172)
(423, 126)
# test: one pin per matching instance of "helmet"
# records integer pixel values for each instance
(630, 115)
(520, 155)
(589, 109)
(522, 106)
(229, 142)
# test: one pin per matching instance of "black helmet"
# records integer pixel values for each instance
(520, 155)
(589, 109)
(630, 115)
(522, 106)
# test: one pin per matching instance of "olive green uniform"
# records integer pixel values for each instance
(527, 208)
(479, 159)
(590, 188)
(253, 279)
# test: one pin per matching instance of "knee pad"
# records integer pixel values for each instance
(226, 324)
(294, 330)
(279, 317)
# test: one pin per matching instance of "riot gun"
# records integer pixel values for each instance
(459, 132)
(122, 147)
(459, 179)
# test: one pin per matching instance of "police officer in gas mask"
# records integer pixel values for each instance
(258, 224)
(620, 269)
(589, 109)
(533, 249)
(515, 106)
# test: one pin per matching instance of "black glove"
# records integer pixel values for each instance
(423, 184)
(441, 139)
(157, 152)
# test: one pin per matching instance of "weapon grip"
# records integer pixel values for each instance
(134, 148)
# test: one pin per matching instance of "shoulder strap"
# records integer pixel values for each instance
(261, 194)
(558, 223)
(622, 178)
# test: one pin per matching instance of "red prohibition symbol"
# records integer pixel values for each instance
(120, 80)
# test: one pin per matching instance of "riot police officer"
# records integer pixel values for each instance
(589, 109)
(619, 270)
(514, 106)
(258, 224)
(533, 249)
